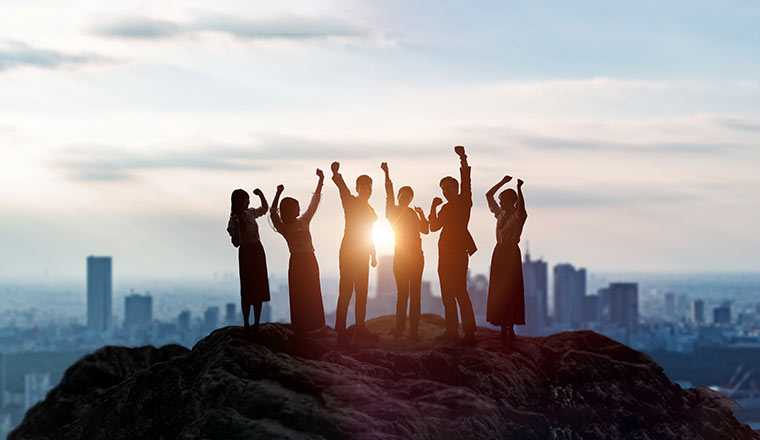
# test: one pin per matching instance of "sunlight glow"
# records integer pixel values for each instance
(382, 235)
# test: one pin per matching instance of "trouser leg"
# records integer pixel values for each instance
(345, 289)
(361, 274)
(448, 289)
(415, 288)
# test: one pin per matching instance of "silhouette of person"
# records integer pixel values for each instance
(356, 252)
(244, 232)
(455, 246)
(306, 309)
(408, 259)
(506, 296)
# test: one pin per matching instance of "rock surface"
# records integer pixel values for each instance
(576, 385)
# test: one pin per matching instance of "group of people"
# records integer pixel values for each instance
(506, 305)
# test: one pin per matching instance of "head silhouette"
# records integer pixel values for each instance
(239, 201)
(289, 209)
(508, 199)
(364, 187)
(405, 195)
(449, 188)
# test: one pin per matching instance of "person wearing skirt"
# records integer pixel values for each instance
(506, 293)
(252, 262)
(306, 309)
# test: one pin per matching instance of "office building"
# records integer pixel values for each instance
(231, 313)
(670, 304)
(211, 318)
(722, 315)
(183, 321)
(624, 305)
(138, 311)
(698, 312)
(99, 293)
(535, 281)
(569, 290)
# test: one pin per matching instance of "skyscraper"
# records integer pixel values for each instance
(2, 380)
(99, 293)
(698, 311)
(670, 304)
(211, 318)
(231, 313)
(138, 311)
(183, 321)
(722, 314)
(569, 290)
(535, 275)
(36, 386)
(624, 305)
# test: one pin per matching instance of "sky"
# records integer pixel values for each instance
(124, 129)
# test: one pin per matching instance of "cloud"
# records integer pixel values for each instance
(15, 55)
(738, 124)
(139, 27)
(108, 162)
(290, 27)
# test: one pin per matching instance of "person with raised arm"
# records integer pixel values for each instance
(252, 261)
(506, 293)
(455, 246)
(357, 251)
(305, 293)
(408, 259)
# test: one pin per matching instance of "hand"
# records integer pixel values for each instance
(384, 167)
(520, 183)
(373, 260)
(258, 192)
(459, 150)
(419, 210)
(320, 174)
(335, 166)
(437, 201)
(280, 188)
(506, 179)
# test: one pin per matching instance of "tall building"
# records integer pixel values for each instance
(624, 305)
(569, 290)
(36, 386)
(386, 282)
(211, 318)
(231, 313)
(698, 311)
(138, 311)
(183, 321)
(535, 276)
(477, 288)
(590, 308)
(670, 304)
(2, 380)
(99, 293)
(722, 314)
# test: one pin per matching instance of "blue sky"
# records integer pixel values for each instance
(124, 129)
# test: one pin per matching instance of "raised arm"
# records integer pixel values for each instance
(339, 182)
(390, 199)
(464, 173)
(274, 215)
(521, 199)
(315, 198)
(492, 205)
(424, 224)
(261, 210)
(433, 219)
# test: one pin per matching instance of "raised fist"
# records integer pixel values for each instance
(320, 174)
(335, 166)
(520, 182)
(280, 188)
(384, 166)
(258, 192)
(459, 150)
(418, 210)
(506, 179)
(437, 201)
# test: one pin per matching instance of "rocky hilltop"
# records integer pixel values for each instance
(575, 385)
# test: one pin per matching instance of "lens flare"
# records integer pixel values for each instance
(382, 235)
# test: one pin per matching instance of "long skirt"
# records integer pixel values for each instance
(306, 309)
(254, 280)
(506, 293)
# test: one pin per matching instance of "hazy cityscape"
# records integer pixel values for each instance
(48, 324)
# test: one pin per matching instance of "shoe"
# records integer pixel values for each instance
(469, 339)
(447, 337)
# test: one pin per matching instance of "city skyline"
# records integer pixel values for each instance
(133, 125)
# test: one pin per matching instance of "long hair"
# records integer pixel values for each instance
(237, 201)
(289, 206)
